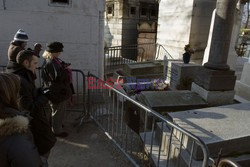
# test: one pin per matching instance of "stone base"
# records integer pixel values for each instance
(214, 80)
(214, 97)
(242, 90)
(182, 75)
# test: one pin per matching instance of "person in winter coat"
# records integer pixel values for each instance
(34, 100)
(19, 43)
(57, 77)
(16, 145)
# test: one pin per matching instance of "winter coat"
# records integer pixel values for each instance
(16, 146)
(34, 102)
(13, 67)
(56, 77)
(13, 50)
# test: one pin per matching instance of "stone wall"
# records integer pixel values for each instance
(79, 25)
(120, 25)
(182, 22)
(202, 14)
(174, 25)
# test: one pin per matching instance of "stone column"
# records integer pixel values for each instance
(221, 37)
(215, 81)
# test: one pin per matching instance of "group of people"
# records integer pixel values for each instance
(28, 129)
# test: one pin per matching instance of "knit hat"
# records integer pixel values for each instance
(54, 47)
(21, 36)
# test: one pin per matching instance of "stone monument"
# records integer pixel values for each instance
(242, 87)
(215, 81)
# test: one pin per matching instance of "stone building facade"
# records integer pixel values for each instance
(178, 23)
(122, 18)
(78, 24)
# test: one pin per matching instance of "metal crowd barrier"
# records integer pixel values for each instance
(79, 98)
(228, 163)
(2, 68)
(144, 136)
(78, 101)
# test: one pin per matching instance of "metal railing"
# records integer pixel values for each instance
(2, 68)
(142, 134)
(228, 163)
(77, 102)
(161, 51)
(115, 57)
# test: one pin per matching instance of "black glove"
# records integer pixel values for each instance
(44, 91)
(51, 95)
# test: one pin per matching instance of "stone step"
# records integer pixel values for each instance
(176, 158)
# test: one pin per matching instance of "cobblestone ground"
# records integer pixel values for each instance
(88, 148)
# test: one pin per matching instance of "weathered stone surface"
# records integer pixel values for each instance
(214, 98)
(214, 80)
(222, 31)
(171, 100)
(180, 73)
(142, 68)
(242, 90)
(225, 127)
(242, 87)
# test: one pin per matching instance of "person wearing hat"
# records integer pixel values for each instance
(19, 43)
(57, 77)
(37, 49)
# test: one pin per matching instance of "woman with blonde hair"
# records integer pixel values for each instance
(57, 77)
(16, 145)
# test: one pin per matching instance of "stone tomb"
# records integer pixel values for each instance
(145, 70)
(165, 101)
(225, 127)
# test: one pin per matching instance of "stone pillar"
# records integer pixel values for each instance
(221, 37)
(232, 55)
(215, 81)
